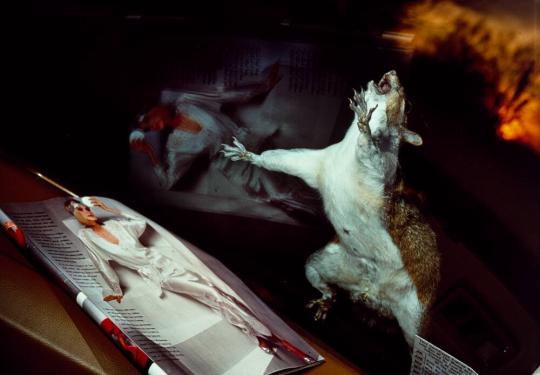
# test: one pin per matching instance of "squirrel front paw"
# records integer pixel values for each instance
(237, 152)
(359, 106)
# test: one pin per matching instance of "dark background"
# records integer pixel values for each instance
(79, 73)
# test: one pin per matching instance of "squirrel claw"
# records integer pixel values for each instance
(359, 105)
(236, 152)
(322, 306)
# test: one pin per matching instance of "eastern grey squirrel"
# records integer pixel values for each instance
(385, 254)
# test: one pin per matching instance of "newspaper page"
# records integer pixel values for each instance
(266, 94)
(171, 304)
(428, 359)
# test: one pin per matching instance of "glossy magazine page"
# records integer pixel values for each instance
(266, 94)
(155, 294)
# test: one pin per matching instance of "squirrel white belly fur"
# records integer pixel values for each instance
(385, 254)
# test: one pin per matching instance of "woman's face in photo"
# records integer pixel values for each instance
(84, 215)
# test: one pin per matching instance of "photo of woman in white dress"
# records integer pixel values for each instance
(118, 239)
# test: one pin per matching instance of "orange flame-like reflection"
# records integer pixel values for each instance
(503, 50)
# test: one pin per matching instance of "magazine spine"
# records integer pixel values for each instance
(132, 351)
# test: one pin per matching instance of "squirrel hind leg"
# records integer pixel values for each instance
(409, 314)
(316, 280)
(320, 270)
(322, 267)
(321, 305)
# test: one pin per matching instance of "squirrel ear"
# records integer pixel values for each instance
(411, 137)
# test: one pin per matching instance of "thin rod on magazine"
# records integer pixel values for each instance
(54, 183)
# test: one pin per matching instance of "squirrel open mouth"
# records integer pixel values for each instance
(384, 86)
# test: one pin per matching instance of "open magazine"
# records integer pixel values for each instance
(171, 307)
